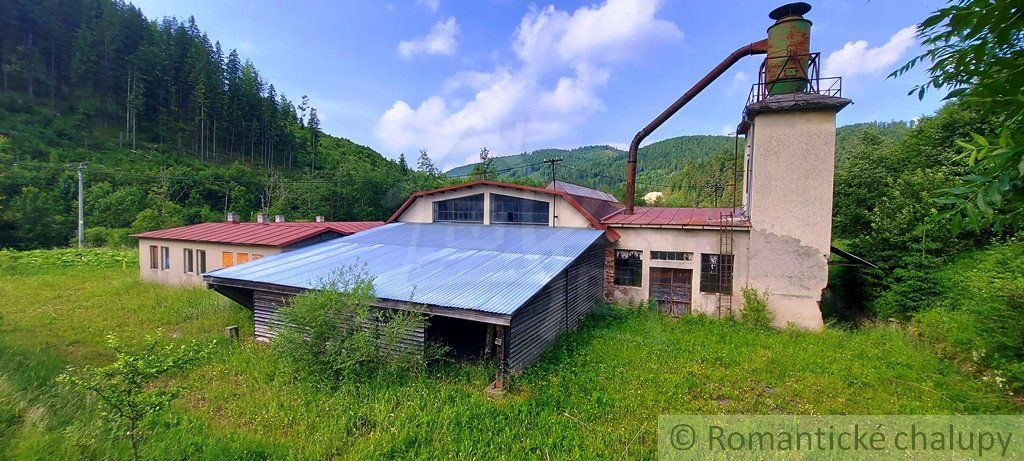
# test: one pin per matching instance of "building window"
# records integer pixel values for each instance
(189, 263)
(165, 258)
(629, 267)
(200, 261)
(241, 258)
(515, 210)
(256, 256)
(716, 273)
(461, 209)
(672, 255)
(154, 257)
(227, 259)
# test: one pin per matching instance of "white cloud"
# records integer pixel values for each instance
(728, 130)
(432, 5)
(551, 85)
(856, 58)
(442, 39)
(740, 80)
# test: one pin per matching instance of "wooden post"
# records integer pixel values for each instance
(499, 340)
(231, 332)
(489, 341)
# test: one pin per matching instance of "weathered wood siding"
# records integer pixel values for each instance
(558, 307)
(267, 324)
(265, 306)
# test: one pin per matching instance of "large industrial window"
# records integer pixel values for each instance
(189, 263)
(200, 261)
(227, 259)
(154, 257)
(629, 268)
(241, 258)
(462, 209)
(671, 255)
(716, 273)
(165, 258)
(515, 210)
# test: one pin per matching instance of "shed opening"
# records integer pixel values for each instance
(465, 339)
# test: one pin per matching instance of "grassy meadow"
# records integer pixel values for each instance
(596, 394)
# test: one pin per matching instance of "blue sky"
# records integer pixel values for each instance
(514, 76)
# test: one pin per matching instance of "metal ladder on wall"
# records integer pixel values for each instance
(725, 270)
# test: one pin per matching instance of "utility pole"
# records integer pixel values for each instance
(81, 205)
(554, 210)
(552, 162)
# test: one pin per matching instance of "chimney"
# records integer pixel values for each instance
(232, 217)
(263, 218)
(319, 218)
(279, 218)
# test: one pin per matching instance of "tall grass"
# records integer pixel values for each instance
(596, 394)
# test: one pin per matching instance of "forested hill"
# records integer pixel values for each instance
(689, 170)
(175, 130)
(604, 167)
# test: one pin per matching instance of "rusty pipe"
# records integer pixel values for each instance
(759, 47)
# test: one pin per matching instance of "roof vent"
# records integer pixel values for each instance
(232, 217)
(279, 218)
(263, 218)
(319, 218)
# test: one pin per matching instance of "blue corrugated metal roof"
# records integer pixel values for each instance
(485, 268)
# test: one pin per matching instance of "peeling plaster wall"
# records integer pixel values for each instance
(791, 156)
(696, 241)
(563, 214)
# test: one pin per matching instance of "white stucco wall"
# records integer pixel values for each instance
(791, 155)
(696, 241)
(176, 275)
(563, 214)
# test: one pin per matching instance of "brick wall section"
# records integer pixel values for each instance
(609, 274)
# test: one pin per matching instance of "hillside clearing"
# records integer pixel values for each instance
(596, 394)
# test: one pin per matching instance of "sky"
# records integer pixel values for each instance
(514, 76)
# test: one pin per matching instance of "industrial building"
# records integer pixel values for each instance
(507, 265)
(179, 256)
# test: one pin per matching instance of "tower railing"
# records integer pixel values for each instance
(814, 82)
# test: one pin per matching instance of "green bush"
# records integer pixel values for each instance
(333, 332)
(97, 236)
(48, 259)
(755, 312)
(908, 289)
(129, 388)
(979, 314)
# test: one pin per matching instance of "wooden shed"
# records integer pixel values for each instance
(511, 287)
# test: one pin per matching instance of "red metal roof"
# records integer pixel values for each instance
(664, 216)
(271, 234)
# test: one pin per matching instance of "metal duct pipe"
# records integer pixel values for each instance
(759, 47)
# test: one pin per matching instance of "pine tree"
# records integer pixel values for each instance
(314, 134)
(425, 165)
(402, 163)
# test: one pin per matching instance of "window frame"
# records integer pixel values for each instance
(662, 255)
(200, 256)
(456, 201)
(496, 211)
(165, 258)
(228, 256)
(635, 275)
(188, 260)
(154, 257)
(711, 273)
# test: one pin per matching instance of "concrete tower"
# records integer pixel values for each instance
(790, 158)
